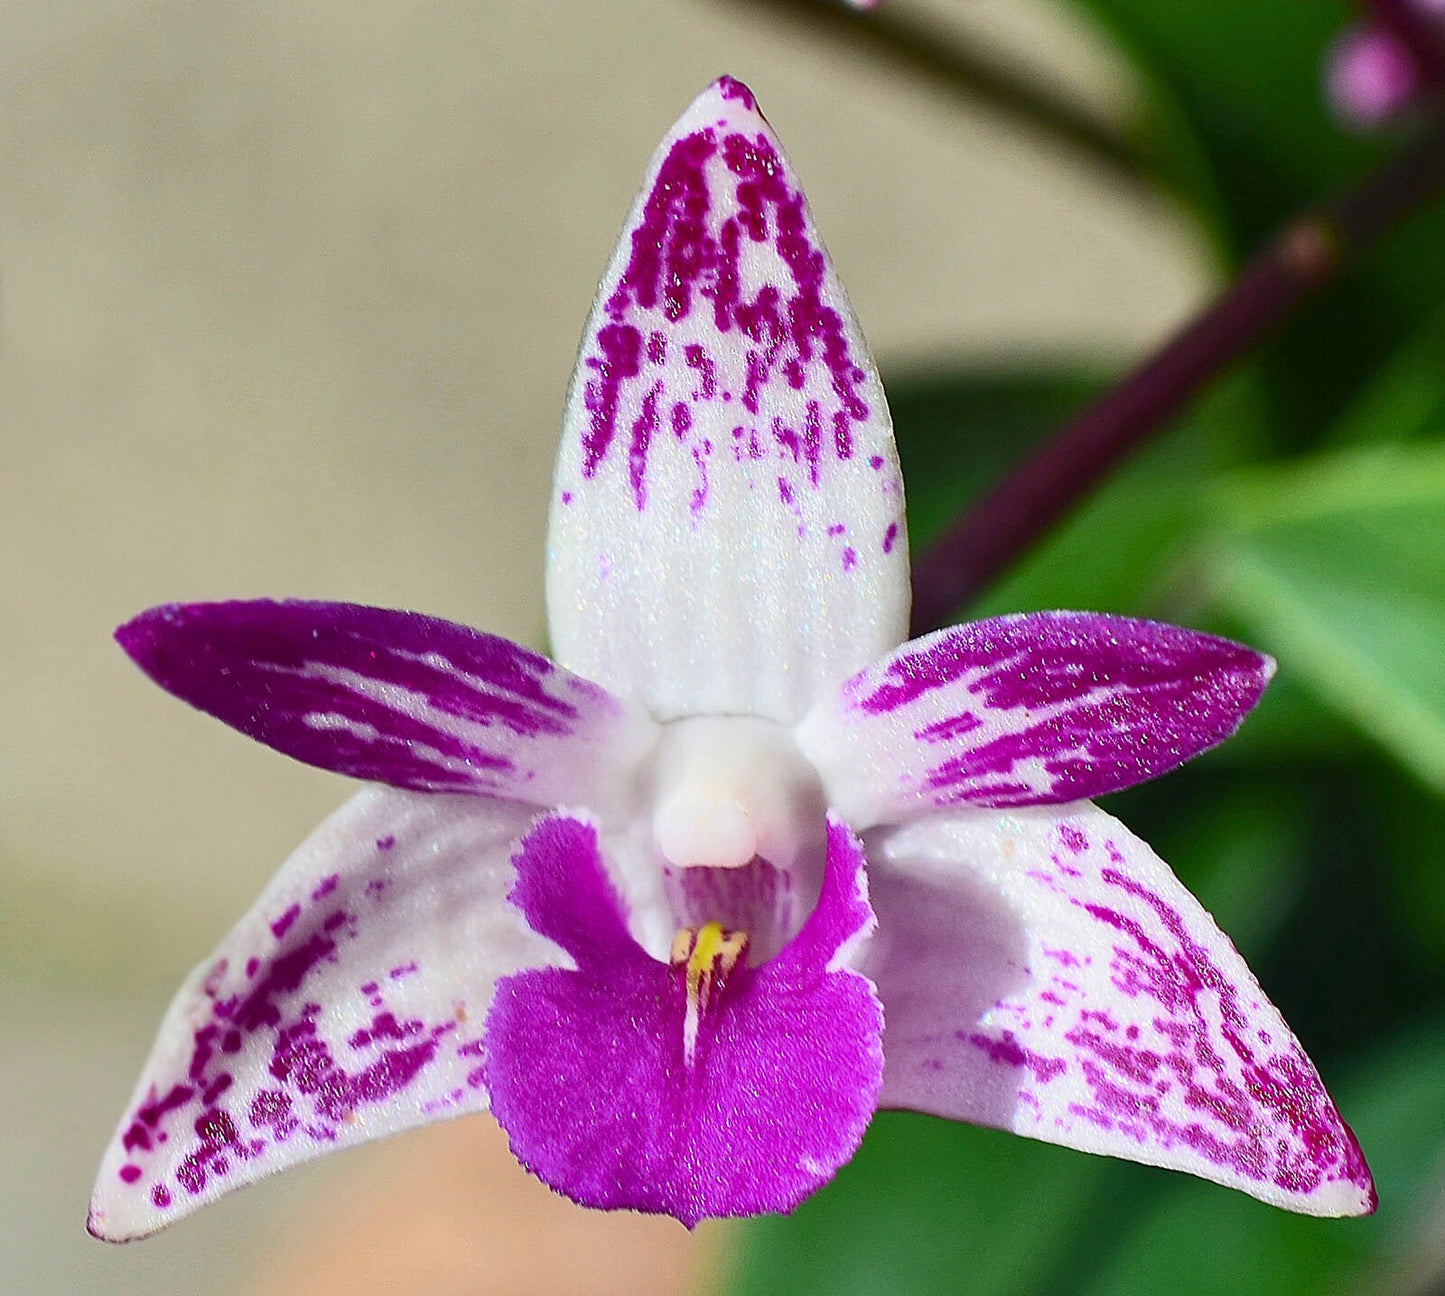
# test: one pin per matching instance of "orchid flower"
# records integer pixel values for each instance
(685, 907)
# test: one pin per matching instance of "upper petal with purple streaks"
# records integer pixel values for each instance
(1045, 972)
(408, 700)
(727, 459)
(1032, 709)
(593, 1080)
(346, 1005)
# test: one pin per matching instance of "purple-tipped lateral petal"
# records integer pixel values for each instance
(727, 518)
(1040, 708)
(348, 1004)
(1043, 971)
(590, 1073)
(395, 697)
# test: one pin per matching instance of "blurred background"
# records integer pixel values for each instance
(289, 296)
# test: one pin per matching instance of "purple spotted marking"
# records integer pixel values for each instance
(1010, 1052)
(326, 886)
(392, 697)
(698, 359)
(719, 193)
(700, 455)
(307, 1091)
(642, 429)
(1042, 708)
(588, 1069)
(731, 88)
(1238, 1100)
(743, 437)
(1143, 1035)
(619, 347)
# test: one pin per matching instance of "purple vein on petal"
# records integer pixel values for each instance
(399, 698)
(1100, 1007)
(1038, 708)
(345, 1006)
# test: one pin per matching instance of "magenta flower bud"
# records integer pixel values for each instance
(1370, 75)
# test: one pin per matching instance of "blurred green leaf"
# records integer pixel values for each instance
(1338, 567)
(958, 434)
(1238, 840)
(1120, 550)
(1247, 78)
(1406, 399)
(1411, 821)
(926, 1206)
(1291, 723)
(1244, 80)
(1361, 481)
(1200, 1242)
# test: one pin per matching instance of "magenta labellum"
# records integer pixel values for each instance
(632, 1082)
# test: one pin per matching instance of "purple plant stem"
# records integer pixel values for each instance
(1046, 486)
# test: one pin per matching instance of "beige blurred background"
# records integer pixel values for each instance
(289, 295)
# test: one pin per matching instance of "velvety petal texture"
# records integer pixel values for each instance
(605, 1097)
(395, 697)
(348, 1004)
(727, 518)
(1043, 971)
(1038, 708)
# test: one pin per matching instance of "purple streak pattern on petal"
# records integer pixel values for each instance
(345, 1006)
(727, 457)
(588, 1072)
(399, 698)
(1040, 708)
(1043, 971)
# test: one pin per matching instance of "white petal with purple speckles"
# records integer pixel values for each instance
(727, 518)
(1038, 708)
(1044, 971)
(347, 1005)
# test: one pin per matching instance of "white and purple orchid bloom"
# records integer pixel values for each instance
(687, 905)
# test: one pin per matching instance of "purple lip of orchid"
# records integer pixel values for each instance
(673, 997)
